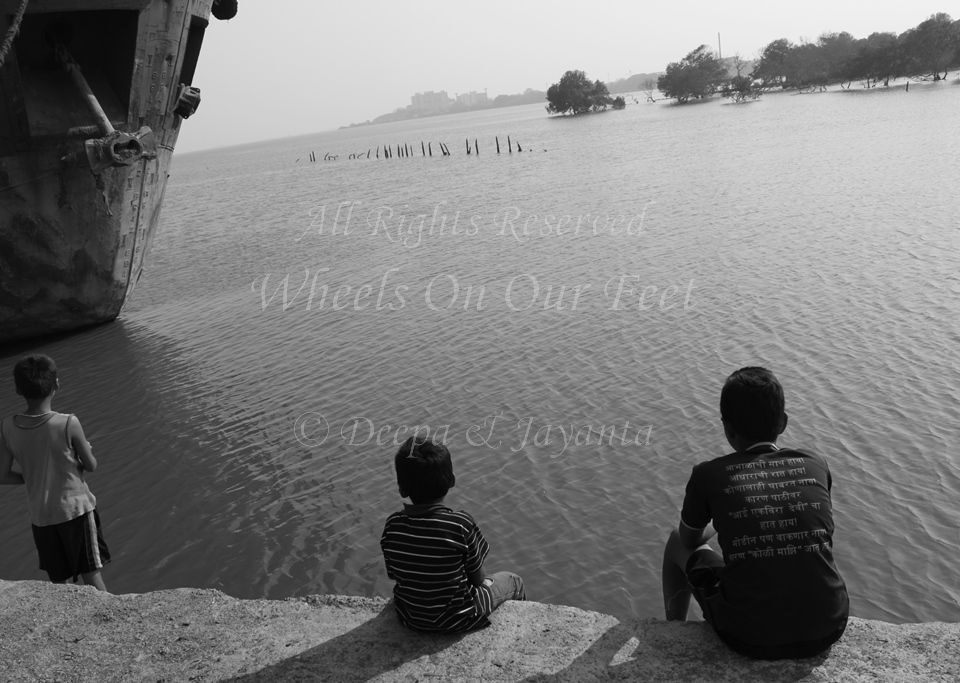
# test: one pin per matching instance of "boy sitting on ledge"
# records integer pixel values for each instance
(775, 592)
(436, 555)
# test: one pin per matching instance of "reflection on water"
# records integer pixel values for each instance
(246, 440)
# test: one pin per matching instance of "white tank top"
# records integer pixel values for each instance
(55, 486)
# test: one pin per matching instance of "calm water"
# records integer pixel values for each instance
(816, 235)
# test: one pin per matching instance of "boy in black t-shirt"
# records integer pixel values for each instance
(775, 592)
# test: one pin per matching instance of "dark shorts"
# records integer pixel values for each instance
(704, 570)
(71, 548)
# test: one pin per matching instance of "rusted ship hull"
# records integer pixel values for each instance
(93, 95)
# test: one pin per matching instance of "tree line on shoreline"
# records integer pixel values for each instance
(926, 52)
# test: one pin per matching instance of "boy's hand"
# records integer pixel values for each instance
(476, 578)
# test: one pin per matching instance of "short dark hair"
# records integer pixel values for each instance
(424, 469)
(35, 376)
(751, 402)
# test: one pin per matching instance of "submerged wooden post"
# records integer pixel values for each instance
(476, 148)
(519, 149)
(423, 149)
(467, 141)
(498, 143)
(509, 145)
(368, 152)
(430, 148)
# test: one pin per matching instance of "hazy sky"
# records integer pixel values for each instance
(288, 67)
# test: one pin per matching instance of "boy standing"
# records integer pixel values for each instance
(775, 592)
(436, 555)
(53, 453)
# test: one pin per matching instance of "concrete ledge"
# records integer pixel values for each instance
(74, 633)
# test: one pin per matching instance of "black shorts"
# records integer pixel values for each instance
(704, 569)
(71, 548)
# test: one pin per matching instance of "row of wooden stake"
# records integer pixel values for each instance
(405, 150)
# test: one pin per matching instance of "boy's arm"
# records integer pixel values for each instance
(383, 549)
(695, 527)
(692, 538)
(477, 550)
(7, 475)
(81, 446)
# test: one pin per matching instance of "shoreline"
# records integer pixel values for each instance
(68, 632)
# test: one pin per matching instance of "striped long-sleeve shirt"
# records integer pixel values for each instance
(430, 551)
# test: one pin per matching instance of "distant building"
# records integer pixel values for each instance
(430, 101)
(472, 99)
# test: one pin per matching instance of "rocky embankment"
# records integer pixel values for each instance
(71, 633)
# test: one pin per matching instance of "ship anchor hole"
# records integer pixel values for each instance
(127, 150)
